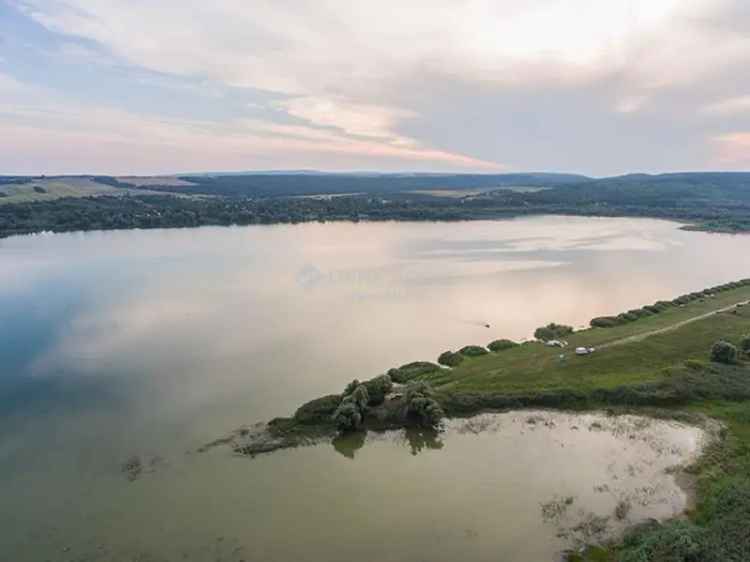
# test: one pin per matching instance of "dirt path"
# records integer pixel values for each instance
(644, 335)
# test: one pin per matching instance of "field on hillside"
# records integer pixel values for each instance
(49, 189)
(45, 189)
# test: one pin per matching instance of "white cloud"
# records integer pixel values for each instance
(316, 47)
(362, 76)
(729, 106)
(74, 138)
(631, 104)
(354, 119)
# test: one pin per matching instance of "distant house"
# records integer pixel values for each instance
(585, 350)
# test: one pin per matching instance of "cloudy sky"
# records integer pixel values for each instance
(163, 86)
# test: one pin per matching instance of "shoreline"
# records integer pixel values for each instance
(516, 377)
(157, 221)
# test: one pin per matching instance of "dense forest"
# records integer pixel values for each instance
(717, 202)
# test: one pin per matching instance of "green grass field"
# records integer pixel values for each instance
(668, 355)
(657, 365)
(534, 367)
(48, 189)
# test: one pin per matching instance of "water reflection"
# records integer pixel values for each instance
(415, 439)
(420, 439)
(348, 444)
(121, 343)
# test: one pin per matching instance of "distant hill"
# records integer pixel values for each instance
(668, 189)
(683, 188)
(317, 183)
(706, 201)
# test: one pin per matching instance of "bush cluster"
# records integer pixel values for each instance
(378, 388)
(630, 315)
(410, 371)
(351, 412)
(450, 359)
(721, 535)
(723, 352)
(420, 403)
(552, 332)
(473, 351)
(349, 415)
(501, 345)
(660, 306)
(677, 541)
(318, 411)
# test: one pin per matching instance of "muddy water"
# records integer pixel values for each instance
(151, 343)
(518, 486)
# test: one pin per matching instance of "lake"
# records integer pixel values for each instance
(152, 343)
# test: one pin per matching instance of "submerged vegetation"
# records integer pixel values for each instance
(688, 355)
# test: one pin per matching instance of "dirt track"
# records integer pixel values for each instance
(644, 335)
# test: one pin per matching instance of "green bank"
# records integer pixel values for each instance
(660, 360)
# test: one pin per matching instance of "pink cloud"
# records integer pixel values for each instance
(733, 149)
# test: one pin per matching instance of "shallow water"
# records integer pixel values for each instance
(151, 343)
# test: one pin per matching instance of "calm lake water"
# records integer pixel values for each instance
(152, 343)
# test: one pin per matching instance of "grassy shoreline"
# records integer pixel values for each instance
(648, 363)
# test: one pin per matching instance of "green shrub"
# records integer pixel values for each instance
(605, 322)
(721, 536)
(450, 359)
(347, 416)
(361, 397)
(727, 516)
(420, 403)
(501, 345)
(638, 313)
(745, 344)
(552, 332)
(676, 541)
(351, 387)
(318, 411)
(723, 352)
(351, 412)
(410, 371)
(377, 389)
(626, 317)
(473, 351)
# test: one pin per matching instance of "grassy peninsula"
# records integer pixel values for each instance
(661, 360)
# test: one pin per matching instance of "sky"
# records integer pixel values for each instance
(171, 86)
